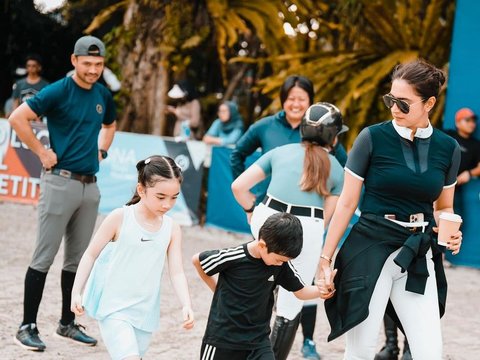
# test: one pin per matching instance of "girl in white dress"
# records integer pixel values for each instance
(124, 261)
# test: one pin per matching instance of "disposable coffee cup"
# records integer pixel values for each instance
(449, 225)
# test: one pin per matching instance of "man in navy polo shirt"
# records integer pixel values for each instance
(81, 124)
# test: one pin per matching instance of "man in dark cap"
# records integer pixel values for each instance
(81, 124)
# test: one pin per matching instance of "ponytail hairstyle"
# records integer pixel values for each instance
(154, 169)
(316, 169)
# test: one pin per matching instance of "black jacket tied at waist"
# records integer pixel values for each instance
(360, 260)
(412, 258)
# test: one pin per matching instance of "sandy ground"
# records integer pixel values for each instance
(461, 324)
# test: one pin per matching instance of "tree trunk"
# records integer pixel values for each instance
(144, 78)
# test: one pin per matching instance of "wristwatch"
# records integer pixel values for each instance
(103, 153)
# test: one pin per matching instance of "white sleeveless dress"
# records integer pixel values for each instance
(126, 277)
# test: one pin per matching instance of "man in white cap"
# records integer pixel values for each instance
(81, 124)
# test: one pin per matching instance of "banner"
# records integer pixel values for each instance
(223, 210)
(20, 169)
(463, 74)
(469, 254)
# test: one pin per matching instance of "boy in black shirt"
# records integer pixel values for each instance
(239, 322)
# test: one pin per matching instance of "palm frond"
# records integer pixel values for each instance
(105, 15)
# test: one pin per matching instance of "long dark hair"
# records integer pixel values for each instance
(316, 169)
(153, 169)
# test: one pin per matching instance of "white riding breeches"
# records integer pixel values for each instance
(419, 315)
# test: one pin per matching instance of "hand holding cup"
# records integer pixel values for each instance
(449, 234)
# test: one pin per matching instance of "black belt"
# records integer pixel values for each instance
(294, 210)
(85, 179)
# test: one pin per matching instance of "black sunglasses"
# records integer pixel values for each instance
(404, 107)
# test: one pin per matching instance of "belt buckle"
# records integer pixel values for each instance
(65, 173)
(416, 217)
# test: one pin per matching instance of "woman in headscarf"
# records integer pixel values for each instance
(227, 128)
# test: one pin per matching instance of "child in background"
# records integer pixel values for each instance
(123, 291)
(239, 321)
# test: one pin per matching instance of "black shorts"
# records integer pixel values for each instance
(211, 352)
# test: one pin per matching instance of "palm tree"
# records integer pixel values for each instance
(348, 48)
(155, 41)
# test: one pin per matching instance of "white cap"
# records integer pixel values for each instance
(176, 92)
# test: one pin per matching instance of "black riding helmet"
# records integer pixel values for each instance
(321, 123)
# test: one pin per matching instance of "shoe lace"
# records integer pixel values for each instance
(78, 326)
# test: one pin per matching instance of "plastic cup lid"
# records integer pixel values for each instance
(450, 217)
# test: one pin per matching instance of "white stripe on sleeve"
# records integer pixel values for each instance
(295, 272)
(353, 174)
(221, 257)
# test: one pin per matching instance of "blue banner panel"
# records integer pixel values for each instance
(464, 73)
(462, 91)
(469, 254)
(223, 210)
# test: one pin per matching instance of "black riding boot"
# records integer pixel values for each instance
(390, 351)
(283, 335)
(406, 351)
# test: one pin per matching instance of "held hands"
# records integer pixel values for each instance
(76, 305)
(455, 241)
(188, 318)
(325, 280)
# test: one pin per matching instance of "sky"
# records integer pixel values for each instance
(47, 5)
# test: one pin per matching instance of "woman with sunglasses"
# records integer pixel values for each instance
(391, 260)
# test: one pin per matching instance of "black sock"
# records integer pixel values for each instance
(34, 284)
(67, 284)
(309, 317)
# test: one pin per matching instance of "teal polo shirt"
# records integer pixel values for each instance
(75, 116)
(267, 134)
(285, 165)
(402, 176)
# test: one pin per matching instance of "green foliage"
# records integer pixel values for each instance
(352, 70)
(347, 47)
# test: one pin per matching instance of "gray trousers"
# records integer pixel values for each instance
(67, 209)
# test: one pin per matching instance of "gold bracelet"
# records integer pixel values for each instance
(323, 256)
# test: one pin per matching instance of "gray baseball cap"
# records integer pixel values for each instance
(89, 46)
